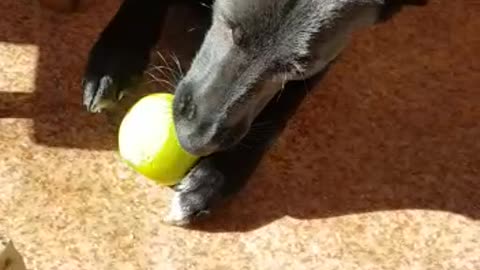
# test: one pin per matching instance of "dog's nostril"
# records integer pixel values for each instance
(186, 107)
(191, 112)
(180, 106)
(188, 98)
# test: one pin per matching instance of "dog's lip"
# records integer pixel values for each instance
(187, 144)
(199, 152)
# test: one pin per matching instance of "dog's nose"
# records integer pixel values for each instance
(186, 107)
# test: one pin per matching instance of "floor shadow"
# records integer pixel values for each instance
(63, 42)
(325, 167)
(388, 128)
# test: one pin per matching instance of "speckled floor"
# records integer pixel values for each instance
(379, 170)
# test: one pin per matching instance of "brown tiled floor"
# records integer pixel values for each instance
(379, 170)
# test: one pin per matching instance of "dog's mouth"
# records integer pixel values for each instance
(206, 141)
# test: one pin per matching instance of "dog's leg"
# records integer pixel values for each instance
(122, 51)
(223, 174)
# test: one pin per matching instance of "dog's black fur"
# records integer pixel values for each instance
(251, 49)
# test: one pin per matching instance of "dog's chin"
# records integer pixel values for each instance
(195, 147)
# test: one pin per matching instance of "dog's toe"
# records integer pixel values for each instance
(187, 206)
(195, 194)
(178, 214)
(99, 93)
(109, 73)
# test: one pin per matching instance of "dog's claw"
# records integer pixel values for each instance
(109, 72)
(99, 94)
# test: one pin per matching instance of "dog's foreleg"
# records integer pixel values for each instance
(122, 52)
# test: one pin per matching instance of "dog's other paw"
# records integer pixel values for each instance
(111, 69)
(195, 194)
(122, 52)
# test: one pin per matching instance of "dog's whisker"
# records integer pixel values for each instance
(170, 76)
(162, 68)
(205, 5)
(177, 62)
(197, 27)
(298, 68)
(161, 71)
(165, 62)
(148, 82)
(176, 70)
(155, 78)
(301, 71)
(284, 82)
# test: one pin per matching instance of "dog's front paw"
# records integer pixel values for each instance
(183, 212)
(110, 71)
(195, 194)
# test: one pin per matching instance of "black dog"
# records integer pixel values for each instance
(251, 50)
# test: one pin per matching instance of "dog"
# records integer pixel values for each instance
(250, 51)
